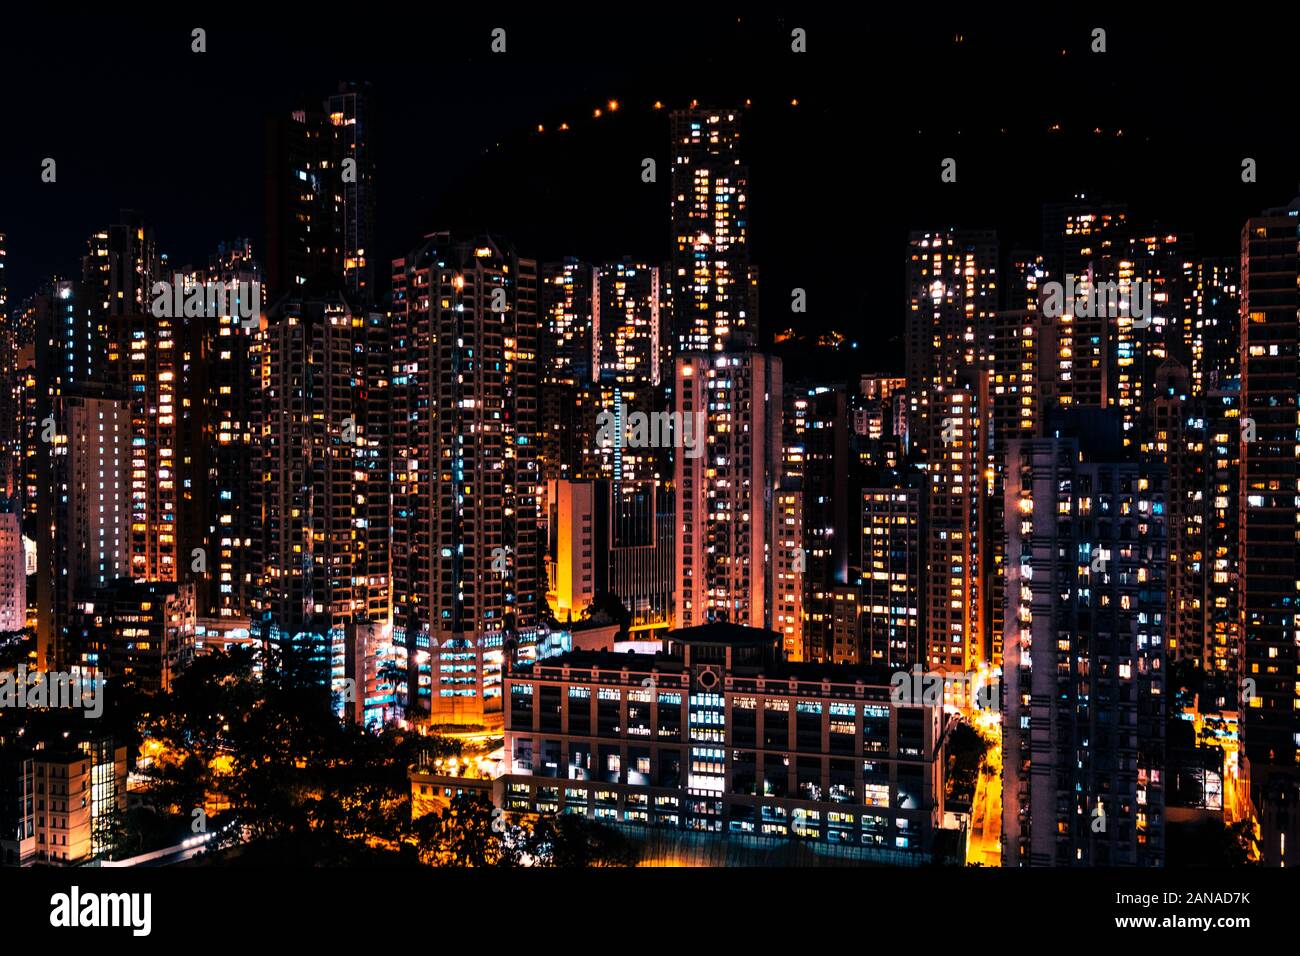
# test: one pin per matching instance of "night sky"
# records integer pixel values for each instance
(135, 120)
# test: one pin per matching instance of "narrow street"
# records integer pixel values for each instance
(985, 845)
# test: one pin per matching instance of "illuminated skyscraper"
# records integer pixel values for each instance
(10, 413)
(13, 570)
(576, 540)
(1074, 234)
(643, 545)
(956, 544)
(789, 569)
(76, 436)
(350, 113)
(320, 198)
(27, 402)
(567, 344)
(1025, 278)
(149, 361)
(1084, 663)
(84, 532)
(952, 293)
(300, 173)
(1197, 440)
(230, 441)
(715, 287)
(319, 570)
(1212, 323)
(1018, 364)
(1267, 544)
(725, 485)
(1160, 259)
(119, 269)
(466, 554)
(815, 461)
(626, 320)
(1221, 642)
(892, 584)
(627, 449)
(153, 362)
(1079, 230)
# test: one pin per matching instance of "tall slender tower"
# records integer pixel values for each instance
(892, 582)
(725, 484)
(1267, 541)
(230, 438)
(626, 322)
(815, 457)
(350, 114)
(466, 551)
(714, 285)
(320, 198)
(952, 294)
(568, 345)
(956, 528)
(1084, 663)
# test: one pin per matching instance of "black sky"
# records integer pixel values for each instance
(135, 120)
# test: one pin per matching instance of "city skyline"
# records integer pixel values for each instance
(736, 467)
(556, 188)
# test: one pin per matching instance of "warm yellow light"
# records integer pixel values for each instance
(612, 106)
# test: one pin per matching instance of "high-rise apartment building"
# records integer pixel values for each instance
(714, 284)
(139, 633)
(1197, 439)
(120, 267)
(574, 549)
(230, 445)
(1079, 230)
(149, 362)
(815, 461)
(892, 582)
(626, 321)
(730, 409)
(1160, 261)
(320, 198)
(319, 567)
(351, 116)
(1075, 233)
(466, 548)
(84, 528)
(789, 560)
(13, 570)
(1084, 650)
(952, 293)
(1267, 546)
(567, 342)
(1212, 322)
(957, 638)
